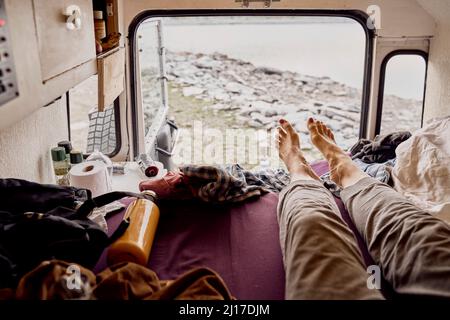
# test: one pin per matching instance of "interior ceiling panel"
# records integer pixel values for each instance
(439, 9)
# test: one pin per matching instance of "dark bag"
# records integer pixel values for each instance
(42, 222)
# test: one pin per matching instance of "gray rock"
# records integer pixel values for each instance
(206, 62)
(347, 125)
(192, 91)
(309, 89)
(297, 118)
(256, 116)
(254, 124)
(269, 71)
(341, 93)
(230, 107)
(237, 88)
(219, 94)
(235, 77)
(245, 111)
(270, 112)
(190, 80)
(261, 106)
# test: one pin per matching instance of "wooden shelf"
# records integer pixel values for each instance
(109, 9)
(107, 52)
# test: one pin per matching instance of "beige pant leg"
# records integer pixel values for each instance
(320, 253)
(411, 247)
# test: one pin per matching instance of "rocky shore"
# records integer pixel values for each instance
(256, 97)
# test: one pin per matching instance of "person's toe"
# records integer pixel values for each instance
(281, 132)
(321, 127)
(312, 125)
(330, 133)
(277, 144)
(286, 125)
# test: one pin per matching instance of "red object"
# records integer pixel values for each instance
(172, 186)
(2, 22)
(151, 171)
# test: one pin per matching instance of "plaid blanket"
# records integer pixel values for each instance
(232, 183)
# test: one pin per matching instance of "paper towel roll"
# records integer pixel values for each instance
(92, 175)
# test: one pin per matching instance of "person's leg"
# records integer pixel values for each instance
(411, 246)
(320, 253)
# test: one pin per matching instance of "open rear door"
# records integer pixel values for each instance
(160, 132)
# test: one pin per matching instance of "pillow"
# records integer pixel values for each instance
(422, 170)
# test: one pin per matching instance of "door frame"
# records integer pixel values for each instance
(139, 142)
(385, 47)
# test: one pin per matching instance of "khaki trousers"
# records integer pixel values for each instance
(322, 260)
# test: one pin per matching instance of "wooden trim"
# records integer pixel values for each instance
(111, 77)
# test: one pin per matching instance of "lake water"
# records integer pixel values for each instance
(329, 48)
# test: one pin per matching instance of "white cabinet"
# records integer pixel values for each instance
(65, 35)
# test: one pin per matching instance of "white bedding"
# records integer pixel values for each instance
(422, 171)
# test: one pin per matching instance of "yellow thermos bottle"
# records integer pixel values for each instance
(136, 242)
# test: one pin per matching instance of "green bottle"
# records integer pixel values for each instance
(60, 166)
(67, 145)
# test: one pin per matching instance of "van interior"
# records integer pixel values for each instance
(151, 127)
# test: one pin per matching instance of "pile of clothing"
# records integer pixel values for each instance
(60, 280)
(380, 149)
(49, 244)
(375, 157)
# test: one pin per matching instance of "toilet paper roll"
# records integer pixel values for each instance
(92, 175)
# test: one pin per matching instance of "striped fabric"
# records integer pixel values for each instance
(232, 183)
(379, 171)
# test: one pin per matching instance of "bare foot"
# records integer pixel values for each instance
(291, 154)
(342, 169)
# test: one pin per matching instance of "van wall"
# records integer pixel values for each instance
(437, 102)
(25, 146)
(399, 18)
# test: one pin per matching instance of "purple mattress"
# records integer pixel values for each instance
(240, 242)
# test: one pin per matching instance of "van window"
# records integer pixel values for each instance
(91, 130)
(226, 81)
(403, 93)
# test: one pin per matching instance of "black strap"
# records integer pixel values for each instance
(86, 208)
(123, 226)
